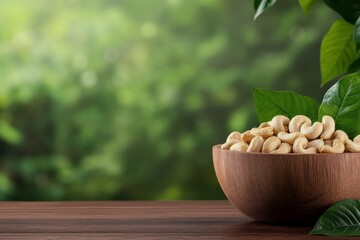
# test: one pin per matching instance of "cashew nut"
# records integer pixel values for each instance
(240, 146)
(264, 124)
(317, 143)
(297, 121)
(247, 136)
(341, 135)
(229, 143)
(329, 127)
(271, 144)
(264, 132)
(298, 135)
(337, 147)
(311, 132)
(300, 146)
(278, 123)
(357, 139)
(352, 146)
(288, 137)
(256, 144)
(234, 135)
(283, 148)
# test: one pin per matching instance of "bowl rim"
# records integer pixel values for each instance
(218, 146)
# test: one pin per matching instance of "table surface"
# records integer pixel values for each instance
(136, 220)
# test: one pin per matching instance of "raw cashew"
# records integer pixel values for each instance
(256, 144)
(337, 147)
(296, 135)
(357, 139)
(283, 148)
(264, 132)
(352, 146)
(278, 123)
(247, 136)
(317, 143)
(229, 143)
(271, 144)
(341, 135)
(240, 146)
(296, 122)
(311, 132)
(288, 137)
(300, 146)
(234, 135)
(264, 124)
(329, 127)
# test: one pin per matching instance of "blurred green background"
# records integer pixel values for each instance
(124, 99)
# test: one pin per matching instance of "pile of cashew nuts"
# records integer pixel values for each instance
(298, 135)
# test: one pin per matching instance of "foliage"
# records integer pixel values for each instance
(124, 99)
(271, 103)
(349, 10)
(339, 54)
(339, 49)
(261, 5)
(341, 102)
(341, 219)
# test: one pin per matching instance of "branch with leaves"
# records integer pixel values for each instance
(339, 53)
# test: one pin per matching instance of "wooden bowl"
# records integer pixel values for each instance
(286, 188)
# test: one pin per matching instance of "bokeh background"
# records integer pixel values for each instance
(124, 99)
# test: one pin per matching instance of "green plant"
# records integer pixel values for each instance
(271, 103)
(341, 219)
(339, 53)
(339, 102)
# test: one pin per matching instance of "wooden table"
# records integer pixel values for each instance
(136, 220)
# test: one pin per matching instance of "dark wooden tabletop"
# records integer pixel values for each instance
(136, 220)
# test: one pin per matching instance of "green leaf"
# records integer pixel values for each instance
(354, 66)
(348, 9)
(342, 102)
(341, 219)
(337, 51)
(306, 4)
(270, 103)
(261, 5)
(357, 34)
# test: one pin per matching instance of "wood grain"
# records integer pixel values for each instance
(286, 188)
(135, 220)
